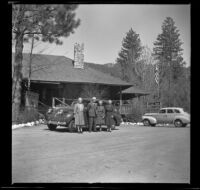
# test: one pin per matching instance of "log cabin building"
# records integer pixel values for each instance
(57, 76)
(61, 77)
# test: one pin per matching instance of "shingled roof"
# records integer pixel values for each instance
(53, 68)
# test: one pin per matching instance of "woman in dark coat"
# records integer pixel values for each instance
(85, 111)
(109, 115)
(100, 111)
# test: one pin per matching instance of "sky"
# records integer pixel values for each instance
(103, 28)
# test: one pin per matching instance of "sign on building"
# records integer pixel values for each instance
(153, 106)
(32, 99)
(78, 56)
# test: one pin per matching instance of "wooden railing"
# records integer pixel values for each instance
(61, 101)
(149, 107)
(126, 109)
(153, 107)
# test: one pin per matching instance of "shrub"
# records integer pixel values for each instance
(28, 115)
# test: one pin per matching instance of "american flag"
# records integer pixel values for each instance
(157, 73)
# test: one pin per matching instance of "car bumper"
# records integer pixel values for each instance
(56, 122)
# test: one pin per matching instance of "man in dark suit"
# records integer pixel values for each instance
(92, 106)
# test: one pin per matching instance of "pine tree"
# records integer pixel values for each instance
(130, 52)
(46, 23)
(168, 52)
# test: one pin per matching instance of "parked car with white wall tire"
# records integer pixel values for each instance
(169, 115)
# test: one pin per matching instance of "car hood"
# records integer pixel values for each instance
(150, 114)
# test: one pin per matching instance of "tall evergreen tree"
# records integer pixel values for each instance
(168, 52)
(130, 52)
(168, 48)
(47, 23)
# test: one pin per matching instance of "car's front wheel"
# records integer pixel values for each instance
(146, 122)
(52, 127)
(178, 123)
(72, 126)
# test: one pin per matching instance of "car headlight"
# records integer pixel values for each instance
(68, 115)
(59, 112)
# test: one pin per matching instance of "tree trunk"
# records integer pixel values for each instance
(17, 77)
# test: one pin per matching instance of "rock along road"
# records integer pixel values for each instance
(127, 154)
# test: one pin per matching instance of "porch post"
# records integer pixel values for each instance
(44, 94)
(53, 103)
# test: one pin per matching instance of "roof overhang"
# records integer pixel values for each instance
(135, 91)
(44, 82)
(123, 86)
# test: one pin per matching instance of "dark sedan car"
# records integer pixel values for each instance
(60, 116)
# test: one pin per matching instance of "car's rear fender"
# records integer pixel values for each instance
(151, 119)
(182, 118)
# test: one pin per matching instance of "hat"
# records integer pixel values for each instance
(94, 98)
(80, 98)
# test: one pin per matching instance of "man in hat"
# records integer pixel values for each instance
(92, 106)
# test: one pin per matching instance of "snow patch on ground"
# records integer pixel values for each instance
(131, 123)
(29, 124)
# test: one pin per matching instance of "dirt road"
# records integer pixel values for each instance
(128, 154)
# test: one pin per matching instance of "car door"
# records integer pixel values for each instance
(161, 117)
(170, 116)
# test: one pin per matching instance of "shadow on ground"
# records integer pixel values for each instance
(66, 130)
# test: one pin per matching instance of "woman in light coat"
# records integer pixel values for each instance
(79, 115)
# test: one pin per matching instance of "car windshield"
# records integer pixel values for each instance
(162, 111)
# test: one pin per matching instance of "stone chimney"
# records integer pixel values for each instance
(78, 56)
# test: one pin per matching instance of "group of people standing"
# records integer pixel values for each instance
(93, 115)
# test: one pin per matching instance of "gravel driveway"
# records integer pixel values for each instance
(127, 154)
